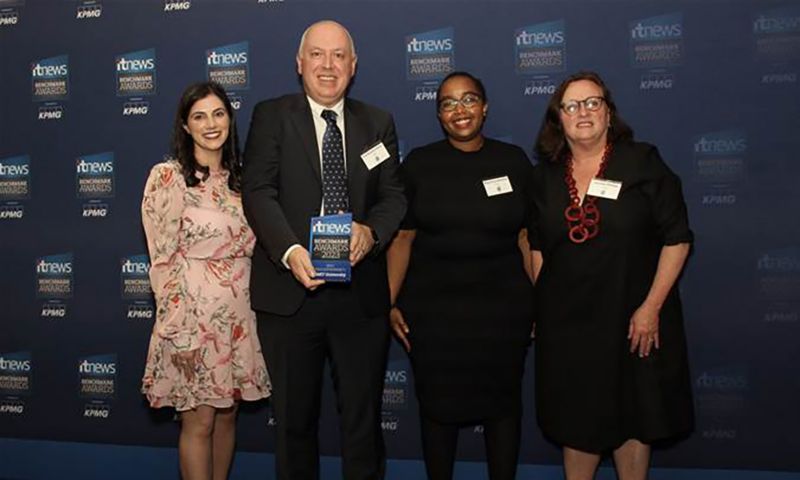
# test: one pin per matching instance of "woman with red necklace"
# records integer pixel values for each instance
(610, 239)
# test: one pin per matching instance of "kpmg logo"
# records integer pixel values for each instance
(8, 16)
(779, 78)
(541, 48)
(540, 86)
(96, 410)
(89, 9)
(136, 73)
(94, 175)
(12, 211)
(135, 107)
(140, 311)
(51, 111)
(16, 369)
(50, 78)
(97, 375)
(134, 277)
(229, 66)
(54, 276)
(236, 100)
(777, 34)
(720, 157)
(15, 178)
(657, 41)
(177, 5)
(426, 92)
(430, 55)
(657, 81)
(53, 309)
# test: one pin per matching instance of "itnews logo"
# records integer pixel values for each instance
(54, 276)
(395, 387)
(778, 274)
(720, 157)
(776, 21)
(134, 277)
(97, 376)
(50, 78)
(136, 73)
(89, 9)
(177, 5)
(777, 34)
(657, 41)
(94, 175)
(16, 370)
(541, 48)
(430, 55)
(720, 394)
(229, 66)
(15, 178)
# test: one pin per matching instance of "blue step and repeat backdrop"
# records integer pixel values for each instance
(88, 90)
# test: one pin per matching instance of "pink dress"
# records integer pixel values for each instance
(200, 247)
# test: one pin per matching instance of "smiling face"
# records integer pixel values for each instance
(209, 124)
(327, 62)
(463, 123)
(585, 127)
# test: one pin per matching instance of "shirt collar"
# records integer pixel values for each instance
(316, 108)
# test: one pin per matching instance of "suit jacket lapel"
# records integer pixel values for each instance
(301, 117)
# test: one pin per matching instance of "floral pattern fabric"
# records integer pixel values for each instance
(200, 247)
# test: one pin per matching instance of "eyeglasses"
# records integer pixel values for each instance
(467, 101)
(591, 104)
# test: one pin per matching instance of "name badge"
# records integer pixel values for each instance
(375, 156)
(604, 188)
(497, 186)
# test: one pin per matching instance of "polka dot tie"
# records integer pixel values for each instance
(334, 178)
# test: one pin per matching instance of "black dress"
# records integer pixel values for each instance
(592, 394)
(466, 297)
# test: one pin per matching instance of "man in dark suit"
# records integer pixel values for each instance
(294, 156)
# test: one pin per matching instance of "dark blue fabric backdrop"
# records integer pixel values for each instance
(87, 94)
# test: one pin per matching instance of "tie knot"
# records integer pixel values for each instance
(329, 116)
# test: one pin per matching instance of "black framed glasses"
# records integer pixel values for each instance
(591, 104)
(467, 101)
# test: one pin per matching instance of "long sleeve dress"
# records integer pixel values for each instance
(200, 247)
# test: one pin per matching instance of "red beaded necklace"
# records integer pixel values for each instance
(583, 221)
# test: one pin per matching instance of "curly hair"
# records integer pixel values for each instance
(183, 144)
(551, 144)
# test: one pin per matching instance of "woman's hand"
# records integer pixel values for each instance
(187, 362)
(643, 330)
(400, 327)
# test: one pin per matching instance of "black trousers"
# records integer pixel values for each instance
(329, 326)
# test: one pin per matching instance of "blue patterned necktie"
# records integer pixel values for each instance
(334, 178)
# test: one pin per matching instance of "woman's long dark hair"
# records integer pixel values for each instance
(551, 144)
(183, 144)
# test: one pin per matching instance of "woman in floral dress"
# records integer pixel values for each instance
(204, 354)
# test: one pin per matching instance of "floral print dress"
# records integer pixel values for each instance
(200, 247)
